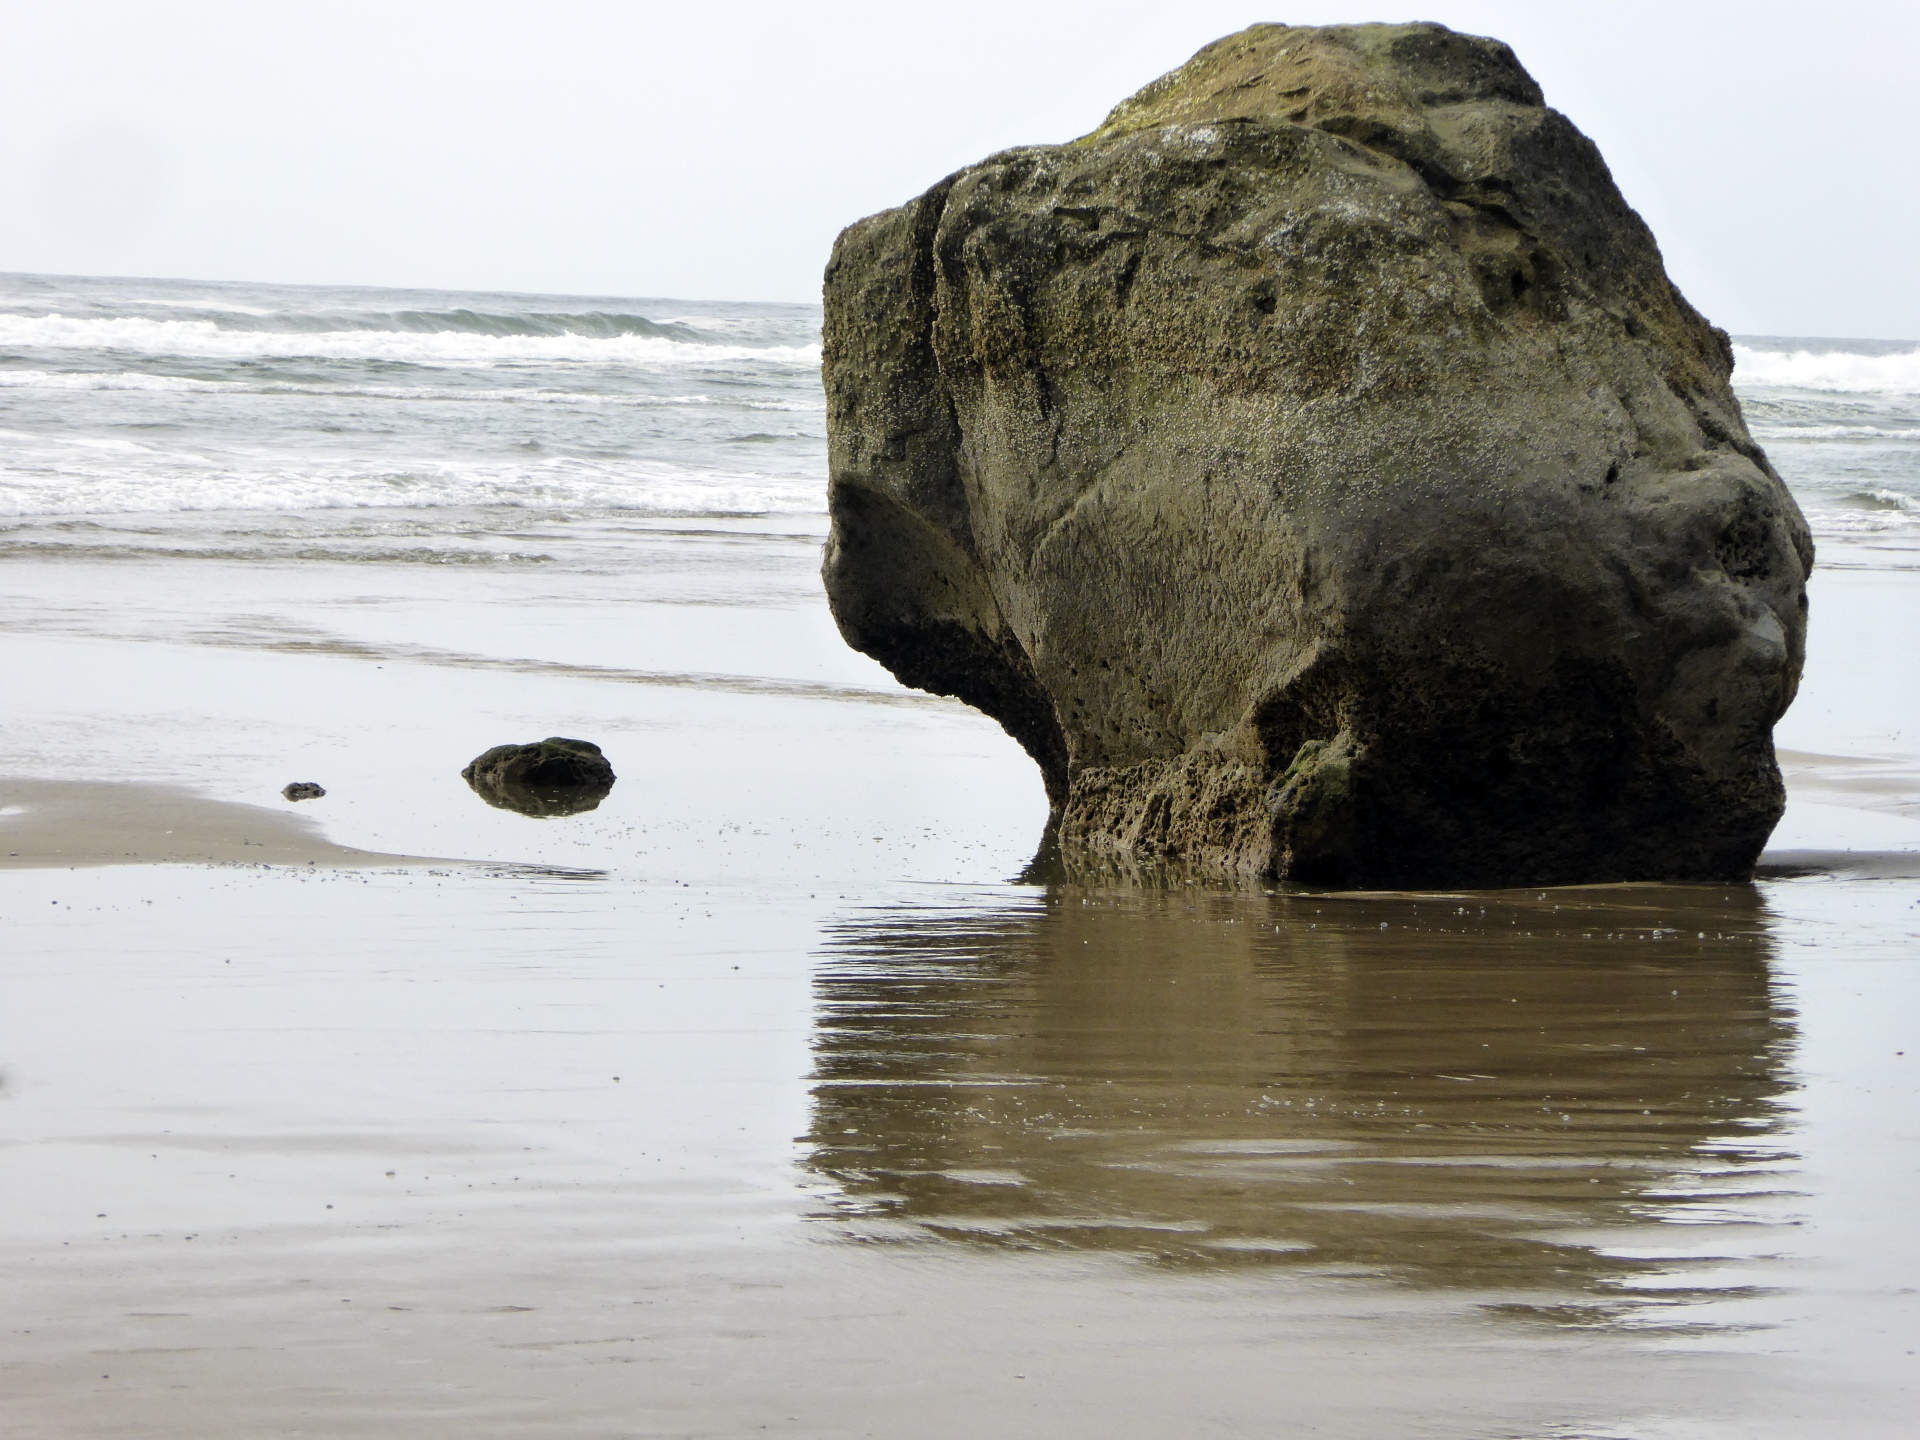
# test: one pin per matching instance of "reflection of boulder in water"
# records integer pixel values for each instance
(1453, 1091)
(550, 777)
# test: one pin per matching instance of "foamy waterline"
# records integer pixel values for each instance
(203, 339)
(549, 395)
(59, 488)
(1869, 434)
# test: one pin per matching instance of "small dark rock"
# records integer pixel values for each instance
(303, 790)
(555, 776)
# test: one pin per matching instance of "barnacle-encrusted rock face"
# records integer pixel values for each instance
(1316, 471)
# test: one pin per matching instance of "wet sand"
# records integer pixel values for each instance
(759, 1101)
(99, 822)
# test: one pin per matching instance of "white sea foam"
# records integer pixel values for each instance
(202, 338)
(1845, 524)
(79, 442)
(138, 380)
(554, 397)
(1829, 370)
(717, 324)
(205, 306)
(109, 380)
(1769, 434)
(46, 481)
(1880, 511)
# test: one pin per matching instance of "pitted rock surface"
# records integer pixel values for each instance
(546, 778)
(1316, 471)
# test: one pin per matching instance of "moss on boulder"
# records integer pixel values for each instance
(1316, 471)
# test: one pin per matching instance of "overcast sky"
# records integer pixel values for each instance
(712, 150)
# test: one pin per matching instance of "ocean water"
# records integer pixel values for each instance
(337, 423)
(440, 426)
(1840, 420)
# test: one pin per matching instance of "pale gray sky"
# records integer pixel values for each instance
(713, 150)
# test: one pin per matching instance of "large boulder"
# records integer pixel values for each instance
(1316, 471)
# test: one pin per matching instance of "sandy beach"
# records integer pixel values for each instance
(1379, 471)
(760, 1099)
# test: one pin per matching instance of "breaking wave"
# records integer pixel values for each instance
(1887, 500)
(1895, 373)
(657, 347)
(596, 324)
